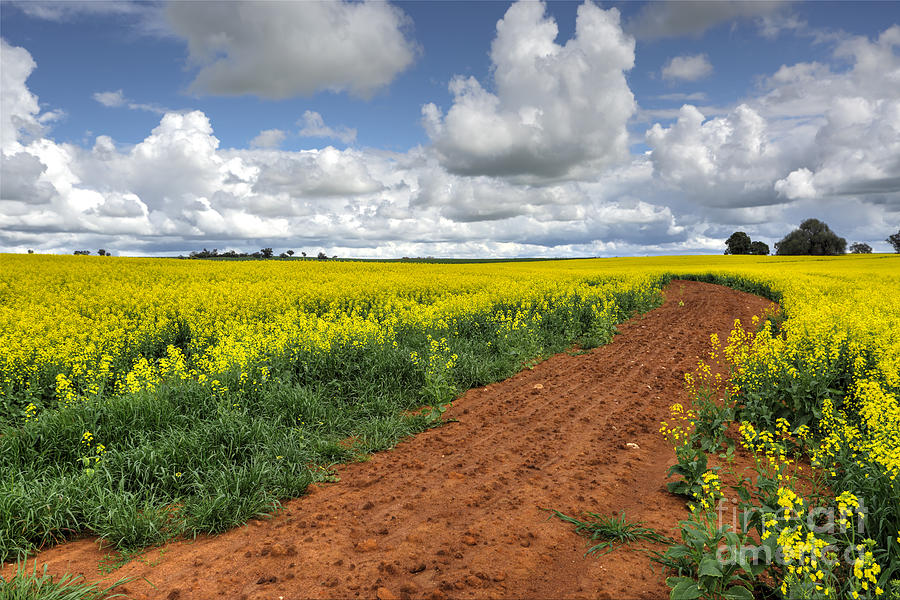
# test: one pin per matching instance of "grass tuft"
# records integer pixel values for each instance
(612, 532)
(31, 585)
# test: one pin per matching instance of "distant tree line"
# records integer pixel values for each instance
(261, 254)
(740, 243)
(812, 238)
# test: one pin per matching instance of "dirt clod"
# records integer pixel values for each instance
(383, 593)
(417, 568)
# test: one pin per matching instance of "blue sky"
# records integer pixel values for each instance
(446, 128)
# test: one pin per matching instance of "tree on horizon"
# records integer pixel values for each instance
(813, 238)
(738, 243)
(894, 240)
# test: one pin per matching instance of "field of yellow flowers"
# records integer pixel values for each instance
(129, 386)
(817, 385)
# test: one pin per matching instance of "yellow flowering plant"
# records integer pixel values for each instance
(164, 361)
(226, 386)
(711, 561)
(692, 461)
(817, 393)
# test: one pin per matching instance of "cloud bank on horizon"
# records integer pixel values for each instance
(543, 155)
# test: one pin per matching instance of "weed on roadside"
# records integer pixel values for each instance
(611, 532)
(31, 585)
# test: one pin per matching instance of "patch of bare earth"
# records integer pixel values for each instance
(456, 511)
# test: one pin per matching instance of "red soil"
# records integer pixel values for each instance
(456, 511)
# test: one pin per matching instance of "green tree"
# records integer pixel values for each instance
(738, 243)
(894, 240)
(813, 237)
(860, 248)
(759, 248)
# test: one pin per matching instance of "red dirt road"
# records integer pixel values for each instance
(456, 511)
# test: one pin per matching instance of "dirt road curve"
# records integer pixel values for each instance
(455, 512)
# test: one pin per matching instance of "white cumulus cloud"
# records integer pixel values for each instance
(817, 132)
(22, 181)
(268, 138)
(687, 68)
(112, 99)
(313, 173)
(117, 99)
(556, 107)
(798, 184)
(314, 126)
(283, 49)
(855, 148)
(816, 140)
(19, 109)
(693, 17)
(723, 161)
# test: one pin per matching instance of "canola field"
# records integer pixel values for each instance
(149, 398)
(93, 327)
(130, 386)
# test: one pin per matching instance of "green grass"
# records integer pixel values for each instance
(611, 532)
(31, 585)
(183, 459)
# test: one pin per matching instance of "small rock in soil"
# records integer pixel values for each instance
(383, 593)
(417, 568)
(367, 545)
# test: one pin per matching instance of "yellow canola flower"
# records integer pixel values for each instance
(121, 325)
(97, 327)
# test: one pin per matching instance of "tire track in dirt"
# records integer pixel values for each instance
(456, 511)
